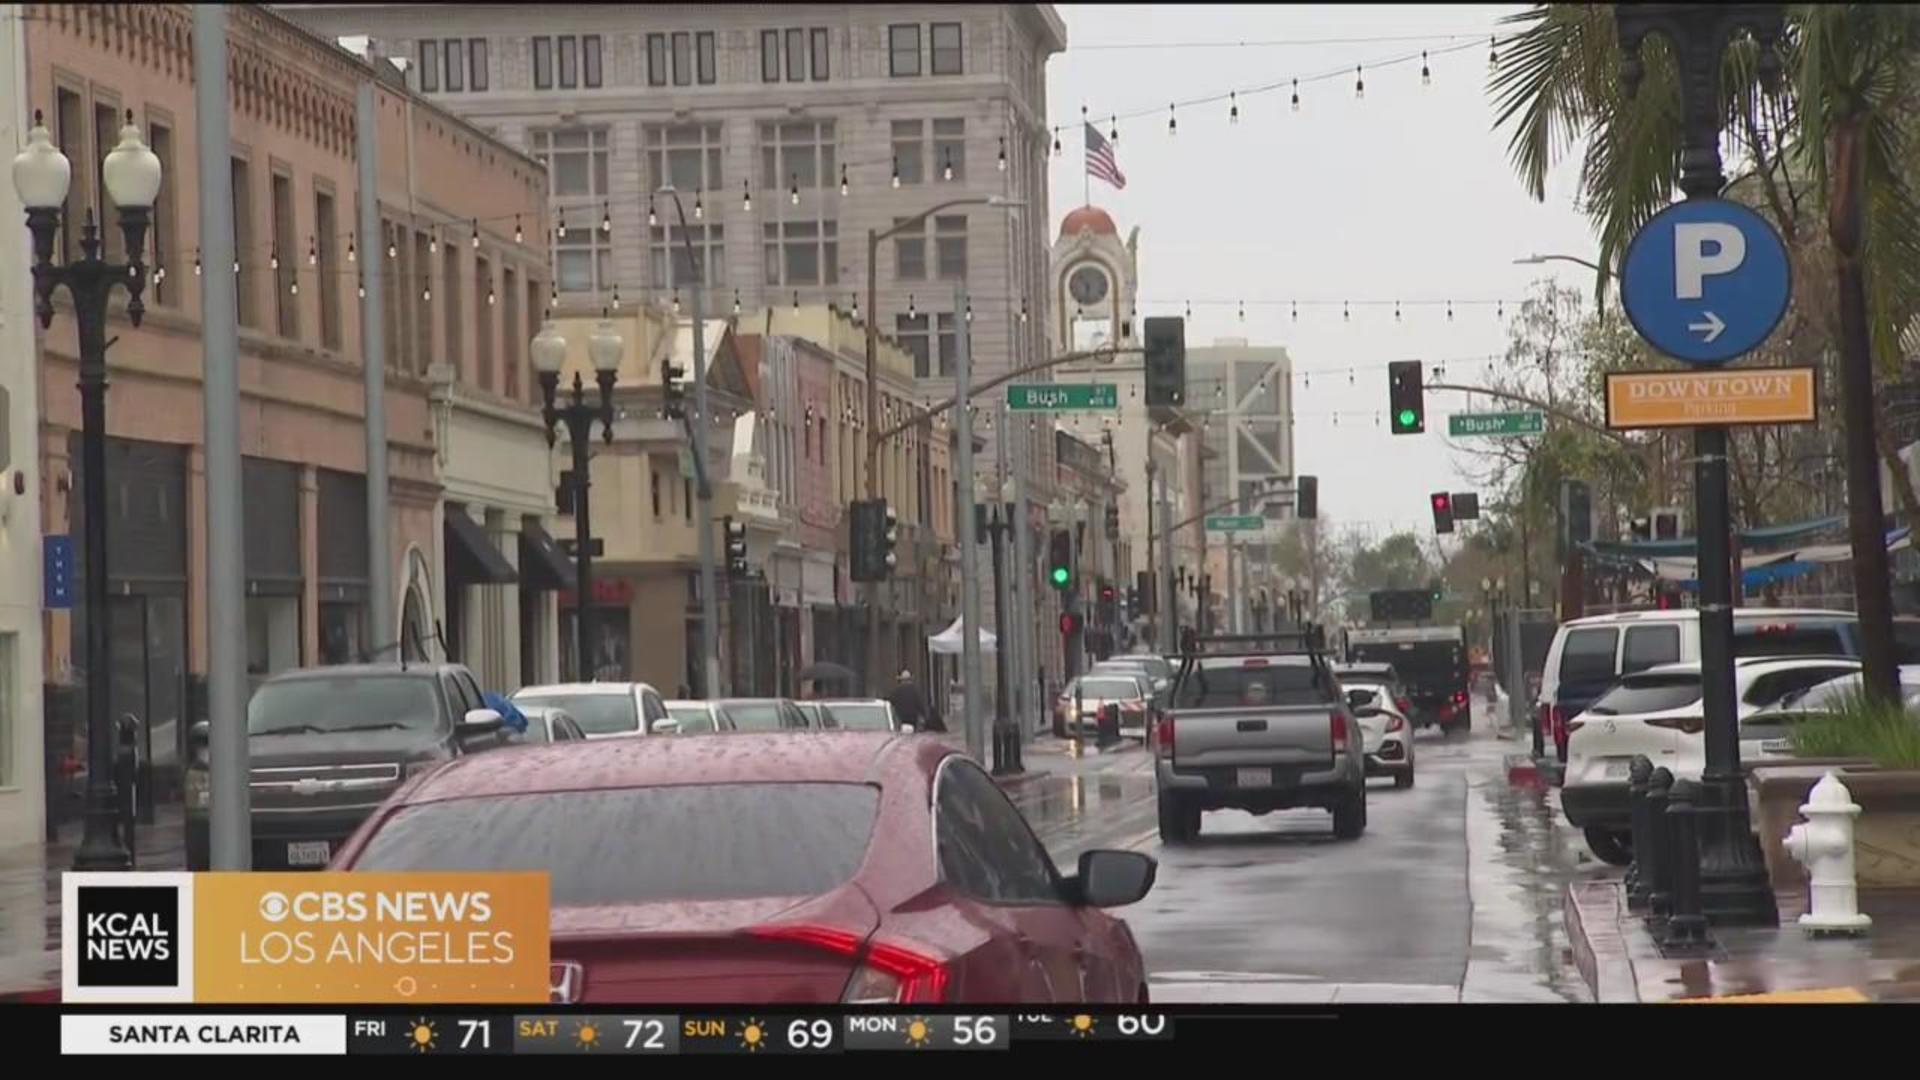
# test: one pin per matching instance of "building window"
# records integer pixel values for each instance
(670, 243)
(394, 302)
(455, 55)
(590, 60)
(536, 306)
(477, 63)
(682, 58)
(949, 345)
(911, 332)
(910, 253)
(821, 49)
(543, 63)
(243, 241)
(950, 246)
(686, 156)
(797, 153)
(286, 299)
(653, 477)
(686, 498)
(796, 55)
(801, 54)
(482, 320)
(421, 290)
(656, 59)
(950, 148)
(569, 62)
(909, 159)
(160, 141)
(802, 252)
(769, 56)
(946, 48)
(583, 260)
(326, 244)
(510, 332)
(429, 66)
(70, 119)
(576, 160)
(903, 49)
(106, 135)
(708, 67)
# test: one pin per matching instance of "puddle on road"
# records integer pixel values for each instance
(1519, 928)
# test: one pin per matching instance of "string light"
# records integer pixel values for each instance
(426, 291)
(676, 301)
(910, 312)
(490, 297)
(746, 197)
(393, 250)
(313, 250)
(1023, 312)
(1359, 82)
(273, 260)
(1346, 313)
(796, 299)
(896, 163)
(1449, 311)
(293, 286)
(1296, 311)
(352, 256)
(433, 239)
(1243, 312)
(616, 298)
(699, 208)
(476, 234)
(793, 192)
(946, 168)
(520, 237)
(1233, 111)
(1189, 309)
(1296, 95)
(553, 295)
(1173, 126)
(843, 171)
(562, 230)
(653, 219)
(1002, 162)
(606, 222)
(856, 304)
(361, 286)
(1396, 311)
(1113, 129)
(196, 262)
(1426, 73)
(1493, 51)
(736, 303)
(969, 310)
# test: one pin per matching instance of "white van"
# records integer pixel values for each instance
(1588, 655)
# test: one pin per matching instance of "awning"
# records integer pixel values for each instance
(543, 565)
(1770, 534)
(471, 557)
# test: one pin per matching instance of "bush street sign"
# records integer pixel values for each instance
(1499, 423)
(1058, 397)
(1235, 522)
(1706, 281)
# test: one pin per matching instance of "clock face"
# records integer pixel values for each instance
(1088, 285)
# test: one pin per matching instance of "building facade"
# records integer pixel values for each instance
(1245, 392)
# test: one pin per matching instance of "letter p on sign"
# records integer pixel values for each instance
(1693, 262)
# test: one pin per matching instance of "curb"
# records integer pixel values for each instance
(1592, 911)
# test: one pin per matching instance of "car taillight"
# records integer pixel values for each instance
(1163, 737)
(887, 972)
(1691, 725)
(1459, 697)
(1395, 723)
(1337, 727)
(1405, 706)
(1553, 720)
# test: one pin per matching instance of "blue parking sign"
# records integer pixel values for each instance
(57, 582)
(1706, 281)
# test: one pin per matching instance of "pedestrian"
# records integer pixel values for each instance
(911, 706)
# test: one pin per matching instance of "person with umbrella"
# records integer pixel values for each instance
(911, 705)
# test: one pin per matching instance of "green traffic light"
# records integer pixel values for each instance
(1406, 418)
(1061, 575)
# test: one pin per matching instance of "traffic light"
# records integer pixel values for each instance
(735, 533)
(673, 398)
(1576, 504)
(870, 535)
(1113, 522)
(1437, 590)
(1148, 597)
(1166, 359)
(889, 536)
(1060, 560)
(1106, 592)
(1306, 497)
(1666, 523)
(1069, 623)
(1466, 506)
(1442, 512)
(1406, 397)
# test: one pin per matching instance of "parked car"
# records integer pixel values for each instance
(851, 714)
(546, 724)
(1385, 729)
(736, 714)
(1159, 668)
(604, 710)
(1658, 712)
(1259, 731)
(1088, 694)
(1589, 655)
(801, 867)
(1766, 730)
(328, 744)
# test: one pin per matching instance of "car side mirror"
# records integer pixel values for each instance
(481, 722)
(906, 729)
(1114, 878)
(666, 725)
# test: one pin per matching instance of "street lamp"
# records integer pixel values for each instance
(998, 516)
(1540, 260)
(604, 349)
(42, 175)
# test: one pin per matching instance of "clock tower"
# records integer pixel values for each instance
(1094, 278)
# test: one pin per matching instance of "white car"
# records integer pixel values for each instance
(1386, 735)
(1658, 712)
(546, 724)
(604, 710)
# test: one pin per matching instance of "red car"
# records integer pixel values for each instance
(775, 868)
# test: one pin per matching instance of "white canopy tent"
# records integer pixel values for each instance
(952, 640)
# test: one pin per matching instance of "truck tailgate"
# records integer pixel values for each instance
(1284, 735)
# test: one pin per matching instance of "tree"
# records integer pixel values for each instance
(1840, 121)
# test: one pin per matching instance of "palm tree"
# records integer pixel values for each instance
(1839, 123)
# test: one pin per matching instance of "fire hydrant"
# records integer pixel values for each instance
(1824, 845)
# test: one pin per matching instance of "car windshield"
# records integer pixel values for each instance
(728, 841)
(1649, 694)
(694, 719)
(1252, 683)
(597, 714)
(343, 703)
(754, 716)
(1113, 689)
(861, 716)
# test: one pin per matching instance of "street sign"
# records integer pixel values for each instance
(1064, 396)
(1653, 399)
(1706, 281)
(57, 580)
(1500, 423)
(1235, 522)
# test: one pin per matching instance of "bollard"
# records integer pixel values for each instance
(1687, 925)
(1639, 773)
(126, 769)
(1824, 845)
(1658, 867)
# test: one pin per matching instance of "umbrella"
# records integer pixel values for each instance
(829, 672)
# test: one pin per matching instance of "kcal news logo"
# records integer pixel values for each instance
(126, 937)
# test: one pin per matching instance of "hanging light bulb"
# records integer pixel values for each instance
(1359, 82)
(910, 311)
(843, 180)
(1003, 154)
(273, 258)
(746, 197)
(796, 299)
(519, 236)
(1243, 311)
(969, 310)
(1113, 129)
(393, 249)
(426, 291)
(616, 298)
(553, 295)
(293, 286)
(653, 219)
(1500, 310)
(490, 298)
(1426, 73)
(562, 230)
(606, 222)
(196, 262)
(1189, 309)
(1346, 313)
(313, 251)
(856, 304)
(793, 189)
(896, 164)
(1173, 126)
(361, 286)
(736, 302)
(433, 239)
(676, 301)
(1023, 312)
(1493, 51)
(1296, 310)
(236, 266)
(699, 207)
(1449, 311)
(352, 256)
(1296, 95)
(1396, 311)
(476, 234)
(946, 168)
(1233, 110)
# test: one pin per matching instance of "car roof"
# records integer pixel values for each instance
(689, 703)
(349, 671)
(585, 688)
(846, 701)
(1366, 666)
(747, 757)
(1678, 667)
(1689, 614)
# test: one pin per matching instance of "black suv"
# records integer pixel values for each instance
(327, 745)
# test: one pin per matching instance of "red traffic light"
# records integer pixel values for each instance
(1106, 593)
(1069, 623)
(1442, 502)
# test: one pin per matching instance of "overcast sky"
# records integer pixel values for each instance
(1405, 194)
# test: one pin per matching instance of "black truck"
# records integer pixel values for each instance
(1432, 664)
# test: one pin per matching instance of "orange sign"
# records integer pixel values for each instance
(372, 938)
(1652, 399)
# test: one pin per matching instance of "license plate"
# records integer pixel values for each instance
(309, 853)
(1253, 777)
(1775, 746)
(1619, 768)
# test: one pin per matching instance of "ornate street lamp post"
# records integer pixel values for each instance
(604, 348)
(41, 175)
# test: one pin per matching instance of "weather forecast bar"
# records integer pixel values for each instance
(202, 1033)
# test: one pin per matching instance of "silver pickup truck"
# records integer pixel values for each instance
(1258, 730)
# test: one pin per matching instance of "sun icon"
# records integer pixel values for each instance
(753, 1037)
(587, 1034)
(1082, 1025)
(918, 1032)
(421, 1038)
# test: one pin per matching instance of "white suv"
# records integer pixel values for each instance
(1657, 712)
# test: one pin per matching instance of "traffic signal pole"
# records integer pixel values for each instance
(969, 551)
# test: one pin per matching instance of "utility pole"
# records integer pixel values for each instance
(969, 547)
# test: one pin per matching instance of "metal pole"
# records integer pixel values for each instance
(1169, 599)
(1153, 571)
(1025, 643)
(709, 594)
(586, 649)
(872, 486)
(373, 342)
(229, 810)
(969, 552)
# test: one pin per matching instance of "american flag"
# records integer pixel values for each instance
(1100, 161)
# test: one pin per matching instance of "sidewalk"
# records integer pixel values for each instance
(30, 899)
(1047, 756)
(1617, 956)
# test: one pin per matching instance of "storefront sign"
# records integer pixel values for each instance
(1652, 399)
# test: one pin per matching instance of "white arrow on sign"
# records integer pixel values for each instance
(1712, 327)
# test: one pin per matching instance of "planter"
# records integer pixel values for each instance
(1886, 840)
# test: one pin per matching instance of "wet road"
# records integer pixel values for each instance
(1452, 894)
